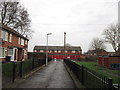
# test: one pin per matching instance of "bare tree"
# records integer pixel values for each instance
(97, 45)
(111, 36)
(14, 15)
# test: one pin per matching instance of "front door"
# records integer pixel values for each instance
(15, 53)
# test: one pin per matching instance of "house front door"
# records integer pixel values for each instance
(15, 53)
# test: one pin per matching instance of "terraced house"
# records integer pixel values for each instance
(13, 44)
(59, 52)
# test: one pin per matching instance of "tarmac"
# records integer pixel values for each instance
(54, 75)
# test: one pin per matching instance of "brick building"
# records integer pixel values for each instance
(58, 52)
(13, 44)
(109, 60)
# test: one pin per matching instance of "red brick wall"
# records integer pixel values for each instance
(109, 61)
(113, 60)
(14, 42)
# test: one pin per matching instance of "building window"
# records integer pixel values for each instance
(26, 42)
(50, 51)
(59, 51)
(41, 51)
(10, 51)
(4, 35)
(22, 41)
(79, 51)
(73, 51)
(19, 40)
(35, 50)
(3, 52)
(55, 51)
(66, 51)
(10, 38)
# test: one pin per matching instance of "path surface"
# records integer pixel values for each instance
(52, 76)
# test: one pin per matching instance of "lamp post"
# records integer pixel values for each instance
(47, 48)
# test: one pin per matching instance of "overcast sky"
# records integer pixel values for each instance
(82, 20)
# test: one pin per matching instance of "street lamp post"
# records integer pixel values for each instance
(47, 48)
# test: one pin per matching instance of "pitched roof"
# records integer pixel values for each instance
(57, 48)
(4, 27)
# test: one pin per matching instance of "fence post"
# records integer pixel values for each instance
(110, 84)
(13, 77)
(118, 86)
(82, 74)
(21, 69)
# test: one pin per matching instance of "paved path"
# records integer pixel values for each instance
(52, 76)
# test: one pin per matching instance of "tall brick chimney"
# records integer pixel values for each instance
(118, 29)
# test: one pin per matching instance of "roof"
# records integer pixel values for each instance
(4, 27)
(57, 48)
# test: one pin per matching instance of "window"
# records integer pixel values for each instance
(19, 40)
(41, 51)
(55, 51)
(59, 51)
(50, 51)
(4, 35)
(73, 51)
(65, 51)
(10, 51)
(3, 52)
(26, 42)
(10, 38)
(22, 41)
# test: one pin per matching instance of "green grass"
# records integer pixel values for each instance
(101, 70)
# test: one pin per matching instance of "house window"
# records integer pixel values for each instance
(73, 51)
(4, 35)
(66, 51)
(26, 42)
(19, 40)
(22, 41)
(79, 51)
(59, 51)
(3, 52)
(35, 50)
(10, 39)
(50, 51)
(41, 51)
(10, 51)
(55, 51)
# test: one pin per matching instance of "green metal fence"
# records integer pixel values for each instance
(89, 78)
(15, 70)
